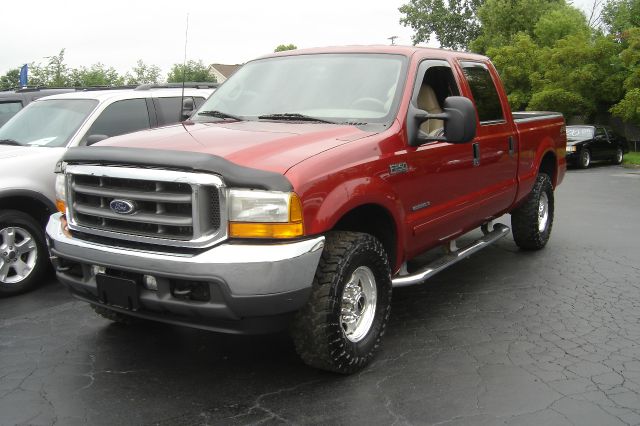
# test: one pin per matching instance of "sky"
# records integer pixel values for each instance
(117, 33)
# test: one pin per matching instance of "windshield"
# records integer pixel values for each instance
(48, 123)
(579, 133)
(341, 88)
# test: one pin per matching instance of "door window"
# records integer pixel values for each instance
(8, 110)
(484, 92)
(169, 110)
(122, 117)
(430, 92)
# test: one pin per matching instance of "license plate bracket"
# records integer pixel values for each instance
(119, 292)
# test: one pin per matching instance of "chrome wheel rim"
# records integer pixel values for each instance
(586, 158)
(18, 254)
(543, 212)
(358, 305)
(619, 155)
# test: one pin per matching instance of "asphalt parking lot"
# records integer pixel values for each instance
(505, 337)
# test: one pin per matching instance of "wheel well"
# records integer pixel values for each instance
(374, 220)
(34, 208)
(548, 166)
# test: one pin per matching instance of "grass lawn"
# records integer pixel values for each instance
(632, 158)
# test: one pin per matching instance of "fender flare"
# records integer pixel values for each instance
(50, 206)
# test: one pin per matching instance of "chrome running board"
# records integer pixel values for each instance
(454, 255)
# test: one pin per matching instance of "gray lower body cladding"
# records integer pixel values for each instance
(242, 288)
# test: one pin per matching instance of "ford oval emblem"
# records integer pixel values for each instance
(122, 206)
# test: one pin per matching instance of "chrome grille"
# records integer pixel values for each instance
(172, 208)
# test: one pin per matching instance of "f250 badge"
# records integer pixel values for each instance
(122, 206)
(398, 168)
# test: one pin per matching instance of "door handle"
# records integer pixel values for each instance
(476, 154)
(512, 149)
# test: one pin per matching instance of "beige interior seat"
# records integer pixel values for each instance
(428, 101)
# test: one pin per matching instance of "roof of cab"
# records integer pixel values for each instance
(384, 49)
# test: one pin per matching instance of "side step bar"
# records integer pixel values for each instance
(418, 277)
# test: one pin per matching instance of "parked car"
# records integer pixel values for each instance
(13, 100)
(33, 140)
(586, 144)
(301, 191)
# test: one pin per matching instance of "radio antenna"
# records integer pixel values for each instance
(184, 68)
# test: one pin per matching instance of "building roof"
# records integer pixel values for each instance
(226, 70)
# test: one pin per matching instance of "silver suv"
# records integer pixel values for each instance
(33, 140)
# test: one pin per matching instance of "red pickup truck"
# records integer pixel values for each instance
(302, 192)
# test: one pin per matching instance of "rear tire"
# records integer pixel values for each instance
(619, 156)
(23, 254)
(584, 160)
(341, 325)
(531, 223)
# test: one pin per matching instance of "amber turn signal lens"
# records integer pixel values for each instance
(295, 209)
(61, 206)
(265, 230)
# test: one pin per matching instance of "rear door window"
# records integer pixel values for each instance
(484, 92)
(122, 117)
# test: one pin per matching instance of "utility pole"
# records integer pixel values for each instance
(393, 40)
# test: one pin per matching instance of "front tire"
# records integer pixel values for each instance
(584, 161)
(23, 255)
(341, 325)
(531, 223)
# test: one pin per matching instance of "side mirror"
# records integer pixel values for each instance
(459, 118)
(187, 108)
(91, 139)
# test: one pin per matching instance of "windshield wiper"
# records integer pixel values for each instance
(9, 142)
(293, 116)
(220, 114)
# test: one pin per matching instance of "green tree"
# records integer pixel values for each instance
(10, 79)
(557, 99)
(629, 107)
(620, 15)
(54, 73)
(143, 74)
(454, 22)
(501, 20)
(283, 47)
(192, 71)
(586, 67)
(97, 75)
(518, 63)
(558, 23)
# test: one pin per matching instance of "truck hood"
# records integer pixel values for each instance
(272, 146)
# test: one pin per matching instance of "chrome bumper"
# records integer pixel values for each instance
(240, 272)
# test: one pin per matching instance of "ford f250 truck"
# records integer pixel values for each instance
(300, 192)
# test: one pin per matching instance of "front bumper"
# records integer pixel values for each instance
(246, 283)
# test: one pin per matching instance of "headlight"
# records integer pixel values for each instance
(264, 214)
(61, 192)
(571, 148)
